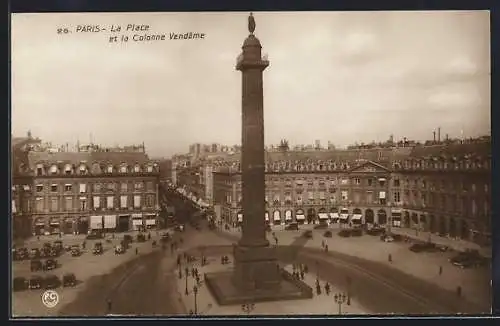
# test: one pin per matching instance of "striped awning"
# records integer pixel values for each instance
(356, 216)
(323, 216)
(334, 215)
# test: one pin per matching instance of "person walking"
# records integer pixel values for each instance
(136, 251)
(108, 302)
(327, 288)
(440, 270)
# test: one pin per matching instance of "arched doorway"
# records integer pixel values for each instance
(442, 226)
(323, 215)
(276, 217)
(300, 216)
(369, 216)
(414, 219)
(406, 219)
(288, 216)
(453, 228)
(465, 231)
(311, 215)
(432, 224)
(423, 222)
(382, 217)
(357, 216)
(239, 218)
(83, 225)
(266, 217)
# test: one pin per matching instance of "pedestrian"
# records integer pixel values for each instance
(276, 240)
(149, 236)
(306, 269)
(318, 289)
(38, 237)
(136, 251)
(193, 272)
(459, 291)
(440, 270)
(323, 244)
(302, 275)
(178, 260)
(84, 244)
(327, 288)
(326, 248)
(109, 305)
(389, 258)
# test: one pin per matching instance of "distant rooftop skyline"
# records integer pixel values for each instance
(343, 77)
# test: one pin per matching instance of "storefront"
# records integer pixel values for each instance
(239, 218)
(311, 216)
(137, 222)
(334, 215)
(344, 216)
(123, 223)
(150, 221)
(96, 222)
(266, 218)
(323, 216)
(357, 217)
(54, 225)
(300, 216)
(39, 226)
(396, 216)
(110, 223)
(382, 217)
(68, 226)
(83, 225)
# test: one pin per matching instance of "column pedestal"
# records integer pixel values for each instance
(255, 268)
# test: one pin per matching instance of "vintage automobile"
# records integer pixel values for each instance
(36, 265)
(386, 238)
(98, 248)
(34, 253)
(141, 237)
(292, 227)
(468, 259)
(119, 249)
(20, 254)
(327, 234)
(375, 231)
(35, 282)
(165, 237)
(423, 247)
(50, 264)
(19, 284)
(68, 279)
(51, 282)
(94, 235)
(76, 252)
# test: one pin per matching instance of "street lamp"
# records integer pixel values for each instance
(389, 220)
(186, 272)
(349, 281)
(248, 308)
(340, 299)
(195, 291)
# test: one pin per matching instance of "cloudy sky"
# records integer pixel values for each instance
(343, 77)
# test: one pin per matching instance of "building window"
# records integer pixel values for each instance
(381, 182)
(344, 195)
(149, 186)
(68, 187)
(68, 203)
(110, 202)
(396, 183)
(39, 188)
(83, 204)
(97, 187)
(53, 188)
(123, 169)
(123, 187)
(53, 169)
(39, 169)
(357, 181)
(54, 204)
(370, 182)
(110, 186)
(137, 168)
(39, 205)
(123, 202)
(97, 202)
(473, 187)
(344, 181)
(67, 169)
(381, 198)
(397, 197)
(369, 197)
(150, 168)
(138, 186)
(83, 188)
(150, 201)
(137, 201)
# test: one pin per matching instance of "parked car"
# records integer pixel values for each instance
(19, 284)
(386, 238)
(45, 252)
(20, 254)
(58, 244)
(292, 227)
(423, 247)
(36, 265)
(119, 249)
(50, 264)
(94, 235)
(68, 279)
(344, 233)
(51, 282)
(76, 252)
(327, 234)
(467, 259)
(307, 234)
(35, 282)
(141, 237)
(98, 249)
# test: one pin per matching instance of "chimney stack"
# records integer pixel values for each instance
(439, 134)
(434, 136)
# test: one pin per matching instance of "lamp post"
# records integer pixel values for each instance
(248, 308)
(389, 220)
(195, 291)
(180, 272)
(349, 282)
(317, 271)
(186, 272)
(340, 299)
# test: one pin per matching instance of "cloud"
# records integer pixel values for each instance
(357, 47)
(455, 99)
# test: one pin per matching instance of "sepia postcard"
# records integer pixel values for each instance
(251, 164)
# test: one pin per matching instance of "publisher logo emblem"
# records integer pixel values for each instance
(50, 298)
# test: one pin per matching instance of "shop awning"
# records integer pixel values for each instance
(323, 216)
(39, 223)
(54, 221)
(334, 215)
(300, 217)
(356, 216)
(344, 216)
(151, 222)
(137, 215)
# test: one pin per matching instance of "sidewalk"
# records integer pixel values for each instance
(458, 245)
(475, 283)
(206, 304)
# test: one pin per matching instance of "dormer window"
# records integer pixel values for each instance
(96, 168)
(150, 168)
(39, 169)
(109, 169)
(123, 169)
(67, 169)
(83, 169)
(53, 169)
(137, 168)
